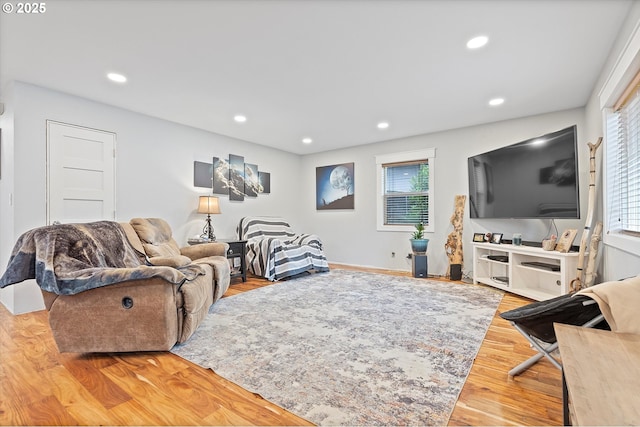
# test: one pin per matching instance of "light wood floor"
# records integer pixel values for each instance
(40, 386)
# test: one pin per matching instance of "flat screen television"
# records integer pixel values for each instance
(536, 178)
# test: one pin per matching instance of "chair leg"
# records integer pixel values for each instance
(542, 351)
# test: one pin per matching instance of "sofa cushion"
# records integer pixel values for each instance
(155, 235)
(170, 261)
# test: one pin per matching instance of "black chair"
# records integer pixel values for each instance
(535, 322)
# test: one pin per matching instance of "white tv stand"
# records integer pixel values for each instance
(531, 282)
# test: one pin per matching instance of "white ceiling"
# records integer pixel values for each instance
(329, 70)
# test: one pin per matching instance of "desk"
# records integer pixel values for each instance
(601, 376)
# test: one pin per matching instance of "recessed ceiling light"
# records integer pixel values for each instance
(496, 101)
(383, 125)
(477, 42)
(307, 140)
(240, 118)
(116, 77)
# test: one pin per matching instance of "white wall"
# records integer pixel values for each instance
(154, 172)
(350, 237)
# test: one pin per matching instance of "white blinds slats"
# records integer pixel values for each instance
(623, 165)
(406, 197)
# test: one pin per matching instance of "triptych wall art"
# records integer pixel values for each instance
(334, 187)
(232, 177)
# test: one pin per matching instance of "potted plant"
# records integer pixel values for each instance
(418, 242)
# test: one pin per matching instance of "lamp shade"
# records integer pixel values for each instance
(208, 205)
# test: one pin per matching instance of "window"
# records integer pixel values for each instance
(623, 167)
(405, 190)
(620, 104)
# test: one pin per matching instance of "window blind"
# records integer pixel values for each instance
(406, 193)
(623, 167)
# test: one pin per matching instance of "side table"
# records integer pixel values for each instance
(236, 255)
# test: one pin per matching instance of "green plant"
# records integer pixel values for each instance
(419, 233)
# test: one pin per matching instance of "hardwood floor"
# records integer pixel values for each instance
(40, 386)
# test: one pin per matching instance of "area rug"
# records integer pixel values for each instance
(348, 347)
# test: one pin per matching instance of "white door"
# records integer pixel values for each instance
(80, 174)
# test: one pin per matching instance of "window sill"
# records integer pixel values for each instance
(405, 228)
(623, 242)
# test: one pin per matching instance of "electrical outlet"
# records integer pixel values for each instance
(393, 254)
(409, 256)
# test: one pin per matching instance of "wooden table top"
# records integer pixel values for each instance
(602, 374)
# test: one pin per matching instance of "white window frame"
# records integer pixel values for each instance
(621, 75)
(428, 154)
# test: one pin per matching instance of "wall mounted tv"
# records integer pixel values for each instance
(536, 178)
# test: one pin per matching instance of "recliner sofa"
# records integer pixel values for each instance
(120, 287)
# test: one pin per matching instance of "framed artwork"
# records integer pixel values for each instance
(220, 176)
(251, 183)
(496, 238)
(265, 181)
(566, 240)
(334, 187)
(478, 237)
(232, 177)
(236, 177)
(202, 174)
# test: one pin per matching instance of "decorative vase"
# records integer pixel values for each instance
(419, 246)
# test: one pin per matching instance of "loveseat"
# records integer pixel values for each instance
(120, 287)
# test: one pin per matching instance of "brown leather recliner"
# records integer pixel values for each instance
(142, 315)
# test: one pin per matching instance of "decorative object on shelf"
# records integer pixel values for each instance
(550, 243)
(335, 187)
(478, 237)
(208, 205)
(453, 245)
(517, 239)
(496, 238)
(232, 177)
(566, 240)
(418, 242)
(577, 283)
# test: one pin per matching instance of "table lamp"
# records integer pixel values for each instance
(208, 205)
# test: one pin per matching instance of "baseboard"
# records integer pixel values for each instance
(369, 267)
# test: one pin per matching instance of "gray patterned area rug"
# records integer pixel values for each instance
(348, 347)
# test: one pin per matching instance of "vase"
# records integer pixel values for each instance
(419, 246)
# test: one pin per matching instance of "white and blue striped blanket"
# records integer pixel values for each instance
(275, 252)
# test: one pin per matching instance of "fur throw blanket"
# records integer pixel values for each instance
(69, 258)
